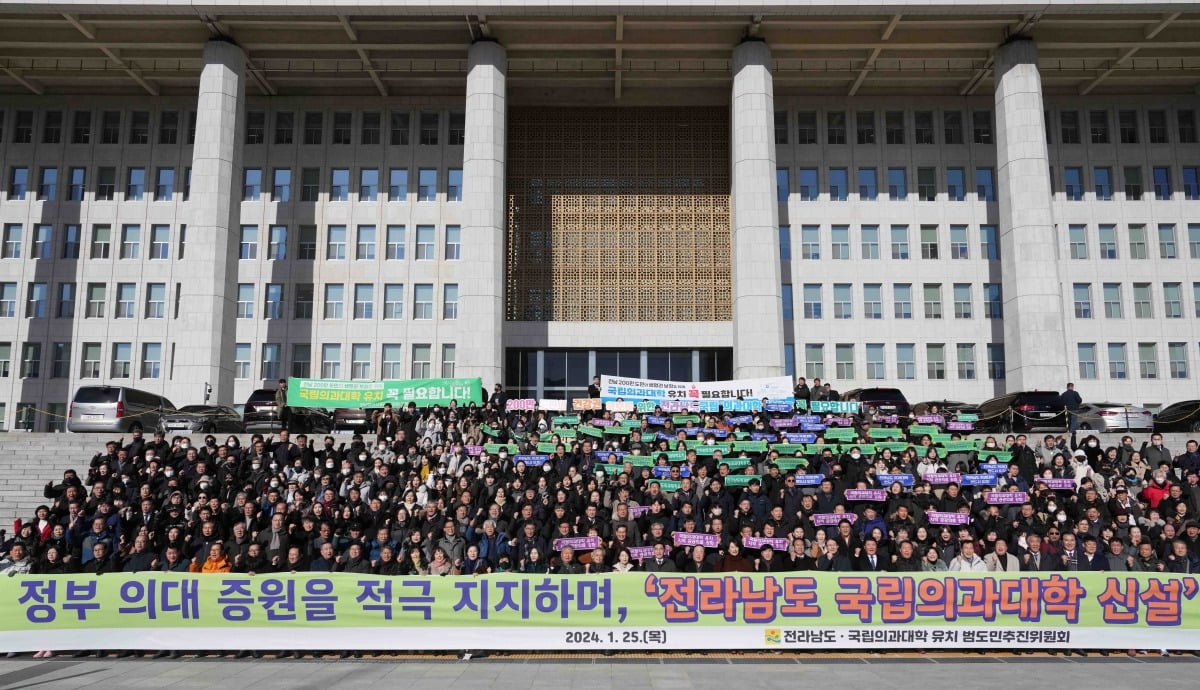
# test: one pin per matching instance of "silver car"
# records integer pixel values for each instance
(203, 418)
(1108, 416)
(116, 409)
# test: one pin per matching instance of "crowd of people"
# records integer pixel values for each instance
(409, 497)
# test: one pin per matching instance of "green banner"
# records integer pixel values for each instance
(563, 432)
(585, 430)
(547, 447)
(635, 611)
(736, 463)
(923, 429)
(672, 455)
(331, 393)
(894, 446)
(881, 432)
(788, 448)
(750, 446)
(841, 434)
(786, 464)
(986, 455)
(959, 446)
(493, 448)
(704, 451)
(646, 406)
(735, 480)
(562, 420)
(682, 419)
(616, 431)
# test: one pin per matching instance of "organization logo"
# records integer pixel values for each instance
(773, 636)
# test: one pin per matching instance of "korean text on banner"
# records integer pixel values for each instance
(330, 393)
(637, 390)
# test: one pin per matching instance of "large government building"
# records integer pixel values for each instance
(953, 197)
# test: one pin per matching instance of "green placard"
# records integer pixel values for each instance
(518, 435)
(489, 431)
(788, 448)
(964, 417)
(587, 430)
(563, 432)
(492, 448)
(637, 460)
(940, 439)
(886, 432)
(894, 446)
(996, 455)
(801, 404)
(616, 431)
(741, 435)
(736, 463)
(547, 447)
(841, 434)
(565, 419)
(704, 451)
(750, 446)
(735, 480)
(786, 464)
(685, 418)
(692, 443)
(959, 446)
(866, 448)
(331, 393)
(667, 485)
(672, 455)
(923, 429)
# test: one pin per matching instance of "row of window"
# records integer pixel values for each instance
(904, 360)
(1107, 246)
(138, 127)
(137, 186)
(1147, 358)
(1112, 295)
(954, 183)
(951, 127)
(125, 305)
(150, 364)
(812, 242)
(813, 301)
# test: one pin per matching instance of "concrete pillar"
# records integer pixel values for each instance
(1034, 336)
(757, 292)
(203, 346)
(481, 289)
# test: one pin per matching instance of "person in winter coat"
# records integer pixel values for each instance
(1158, 489)
(18, 561)
(734, 561)
(217, 561)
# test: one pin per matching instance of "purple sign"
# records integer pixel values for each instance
(930, 419)
(887, 418)
(866, 495)
(577, 543)
(839, 421)
(602, 422)
(785, 423)
(777, 543)
(1057, 484)
(960, 426)
(709, 541)
(942, 477)
(940, 518)
(638, 511)
(474, 450)
(636, 552)
(823, 519)
(809, 419)
(1003, 498)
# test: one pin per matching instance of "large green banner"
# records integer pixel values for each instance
(611, 611)
(423, 392)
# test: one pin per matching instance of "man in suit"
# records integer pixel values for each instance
(1091, 558)
(660, 563)
(869, 561)
(1034, 558)
(1000, 560)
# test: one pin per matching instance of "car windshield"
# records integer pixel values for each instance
(885, 394)
(97, 395)
(195, 408)
(1041, 398)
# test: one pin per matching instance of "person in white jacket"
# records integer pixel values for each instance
(967, 561)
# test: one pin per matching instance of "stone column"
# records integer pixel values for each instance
(1035, 348)
(481, 289)
(204, 337)
(757, 292)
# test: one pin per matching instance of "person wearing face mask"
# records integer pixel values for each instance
(1158, 489)
(1154, 452)
(383, 451)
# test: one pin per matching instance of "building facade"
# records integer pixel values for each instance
(955, 204)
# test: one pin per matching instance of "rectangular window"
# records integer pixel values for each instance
(894, 126)
(454, 181)
(962, 301)
(43, 242)
(90, 361)
(429, 125)
(335, 296)
(1112, 301)
(1137, 242)
(248, 244)
(187, 183)
(835, 128)
(251, 184)
(81, 127)
(789, 312)
(1108, 241)
(1142, 305)
(839, 184)
(812, 301)
(427, 184)
(368, 184)
(781, 127)
(1186, 120)
(456, 129)
(864, 127)
(301, 360)
(310, 184)
(364, 246)
(1162, 182)
(130, 241)
(360, 361)
(952, 122)
(897, 179)
(809, 187)
(1087, 361)
(923, 127)
(122, 360)
(331, 361)
(899, 241)
(959, 245)
(11, 248)
(965, 355)
(273, 301)
(285, 127)
(400, 127)
(873, 301)
(398, 184)
(1103, 183)
(981, 126)
(870, 242)
(1173, 300)
(868, 184)
(272, 355)
(1127, 123)
(156, 300)
(789, 360)
(426, 244)
(339, 184)
(929, 242)
(1098, 126)
(66, 301)
(843, 354)
(985, 184)
(806, 128)
(996, 366)
(1177, 360)
(1156, 120)
(5, 360)
(1133, 182)
(782, 185)
(393, 302)
(281, 184)
(256, 126)
(1191, 183)
(421, 365)
(306, 243)
(314, 126)
(450, 301)
(101, 241)
(840, 249)
(1082, 293)
(814, 360)
(48, 184)
(393, 365)
(906, 361)
(371, 125)
(422, 301)
(1069, 127)
(1073, 183)
(304, 301)
(810, 242)
(927, 184)
(60, 360)
(35, 303)
(139, 127)
(902, 295)
(1147, 360)
(1166, 242)
(395, 243)
(956, 184)
(364, 301)
(993, 301)
(785, 242)
(1077, 238)
(18, 183)
(1194, 240)
(843, 306)
(932, 293)
(164, 184)
(335, 245)
(935, 361)
(110, 127)
(989, 242)
(77, 178)
(876, 368)
(135, 187)
(277, 242)
(245, 300)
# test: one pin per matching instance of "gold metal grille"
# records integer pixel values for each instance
(618, 214)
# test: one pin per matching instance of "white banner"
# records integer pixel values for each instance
(637, 390)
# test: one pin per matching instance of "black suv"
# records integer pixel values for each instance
(887, 401)
(261, 413)
(1024, 411)
(1180, 416)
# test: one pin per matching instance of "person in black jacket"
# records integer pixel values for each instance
(906, 560)
(697, 562)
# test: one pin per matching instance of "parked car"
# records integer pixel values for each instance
(1180, 416)
(946, 407)
(1115, 417)
(1023, 411)
(203, 419)
(887, 401)
(353, 418)
(261, 413)
(115, 409)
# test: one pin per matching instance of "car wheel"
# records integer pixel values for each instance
(1195, 427)
(1086, 426)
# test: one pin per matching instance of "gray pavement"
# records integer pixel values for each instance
(708, 672)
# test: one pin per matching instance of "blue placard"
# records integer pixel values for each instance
(889, 479)
(532, 460)
(762, 436)
(986, 479)
(801, 438)
(809, 419)
(741, 419)
(656, 420)
(663, 471)
(663, 436)
(993, 467)
(718, 433)
(780, 407)
(812, 427)
(809, 479)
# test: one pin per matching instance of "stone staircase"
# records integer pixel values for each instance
(29, 460)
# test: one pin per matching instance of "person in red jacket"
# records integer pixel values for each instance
(1156, 490)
